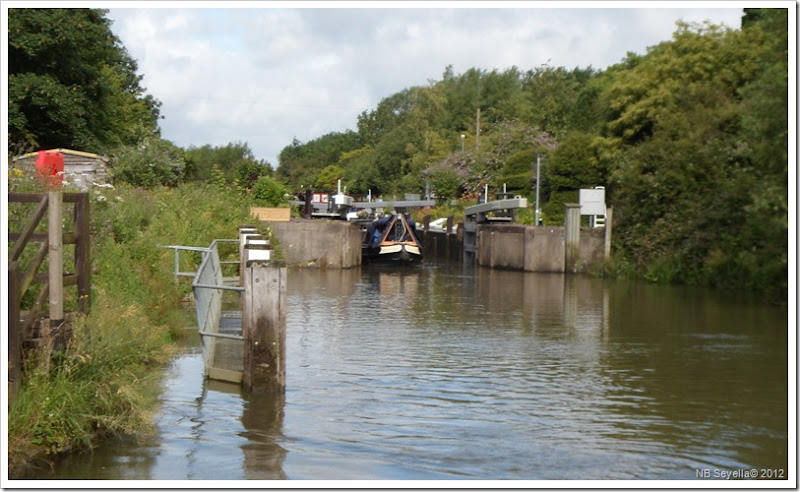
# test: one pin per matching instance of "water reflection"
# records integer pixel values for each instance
(708, 373)
(263, 420)
(445, 372)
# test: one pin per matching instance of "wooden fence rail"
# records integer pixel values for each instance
(20, 324)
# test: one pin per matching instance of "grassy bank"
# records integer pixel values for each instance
(106, 381)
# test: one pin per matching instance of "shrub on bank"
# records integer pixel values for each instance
(106, 380)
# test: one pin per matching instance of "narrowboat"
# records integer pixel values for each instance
(391, 239)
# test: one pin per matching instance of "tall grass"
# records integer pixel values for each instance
(106, 379)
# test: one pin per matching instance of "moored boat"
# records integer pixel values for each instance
(391, 239)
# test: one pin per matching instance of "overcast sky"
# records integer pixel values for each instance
(267, 75)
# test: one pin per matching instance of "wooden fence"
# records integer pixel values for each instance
(21, 277)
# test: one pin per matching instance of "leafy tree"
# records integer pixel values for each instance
(518, 171)
(72, 84)
(760, 257)
(390, 113)
(550, 96)
(270, 191)
(501, 95)
(234, 159)
(463, 98)
(696, 201)
(329, 177)
(474, 170)
(154, 162)
(248, 171)
(394, 153)
(445, 182)
(360, 172)
(574, 164)
(300, 163)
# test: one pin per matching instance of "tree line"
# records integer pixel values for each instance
(690, 139)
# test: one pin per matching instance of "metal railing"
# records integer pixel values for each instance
(208, 285)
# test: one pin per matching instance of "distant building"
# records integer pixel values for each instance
(81, 169)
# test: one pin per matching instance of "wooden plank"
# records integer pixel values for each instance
(25, 197)
(69, 280)
(34, 311)
(67, 237)
(224, 375)
(70, 197)
(271, 214)
(31, 273)
(26, 234)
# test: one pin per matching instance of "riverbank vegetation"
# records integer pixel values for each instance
(106, 380)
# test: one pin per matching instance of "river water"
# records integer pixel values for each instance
(442, 372)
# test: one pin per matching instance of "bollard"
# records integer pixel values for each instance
(255, 251)
(243, 230)
(264, 324)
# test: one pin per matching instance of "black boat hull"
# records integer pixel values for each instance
(392, 254)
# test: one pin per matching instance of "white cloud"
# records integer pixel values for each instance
(267, 75)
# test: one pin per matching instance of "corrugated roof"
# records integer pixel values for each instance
(64, 151)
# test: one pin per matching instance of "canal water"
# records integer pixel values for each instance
(442, 372)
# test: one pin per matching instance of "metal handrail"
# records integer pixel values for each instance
(207, 286)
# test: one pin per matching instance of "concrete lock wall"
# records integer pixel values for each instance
(590, 248)
(537, 249)
(319, 243)
(544, 250)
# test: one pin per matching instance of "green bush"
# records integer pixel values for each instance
(519, 171)
(270, 192)
(154, 162)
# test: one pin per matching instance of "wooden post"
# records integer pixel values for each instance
(82, 263)
(572, 235)
(450, 220)
(426, 223)
(55, 266)
(14, 333)
(308, 208)
(264, 325)
(607, 244)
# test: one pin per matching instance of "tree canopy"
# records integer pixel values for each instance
(72, 84)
